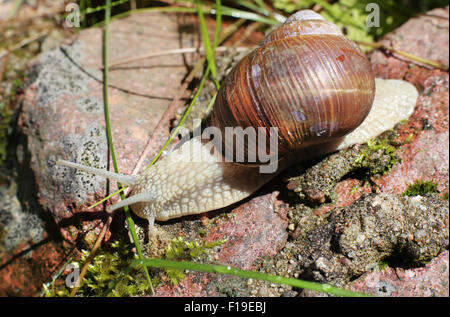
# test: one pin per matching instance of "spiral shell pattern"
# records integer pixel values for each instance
(306, 79)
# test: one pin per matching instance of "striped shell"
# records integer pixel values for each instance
(305, 78)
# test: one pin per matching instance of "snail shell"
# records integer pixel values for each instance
(305, 78)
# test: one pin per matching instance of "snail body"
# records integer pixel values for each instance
(306, 80)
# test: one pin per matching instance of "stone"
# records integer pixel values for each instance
(421, 144)
(253, 230)
(61, 116)
(62, 113)
(428, 281)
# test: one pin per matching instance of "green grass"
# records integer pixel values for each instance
(17, 4)
(349, 15)
(229, 270)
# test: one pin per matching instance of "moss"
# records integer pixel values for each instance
(379, 157)
(4, 122)
(6, 113)
(408, 138)
(108, 274)
(180, 249)
(445, 197)
(382, 265)
(420, 187)
(354, 189)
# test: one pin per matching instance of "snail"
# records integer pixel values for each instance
(306, 91)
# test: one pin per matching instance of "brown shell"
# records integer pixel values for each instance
(312, 85)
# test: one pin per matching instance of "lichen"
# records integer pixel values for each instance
(87, 148)
(55, 75)
(90, 104)
(16, 225)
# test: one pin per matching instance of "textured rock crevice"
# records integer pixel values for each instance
(350, 241)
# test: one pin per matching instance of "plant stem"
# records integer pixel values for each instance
(229, 270)
(114, 161)
(405, 54)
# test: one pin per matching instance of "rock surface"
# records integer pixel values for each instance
(252, 231)
(422, 146)
(428, 281)
(63, 113)
(62, 116)
(426, 154)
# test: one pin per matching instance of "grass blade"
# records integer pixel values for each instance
(256, 7)
(240, 14)
(106, 198)
(109, 135)
(209, 51)
(218, 24)
(15, 8)
(183, 119)
(229, 270)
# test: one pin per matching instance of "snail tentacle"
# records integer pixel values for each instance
(122, 178)
(143, 197)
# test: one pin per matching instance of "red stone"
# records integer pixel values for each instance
(428, 281)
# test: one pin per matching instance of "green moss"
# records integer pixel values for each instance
(104, 270)
(382, 265)
(379, 157)
(409, 137)
(180, 249)
(4, 122)
(354, 189)
(6, 113)
(419, 187)
(445, 197)
(108, 274)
